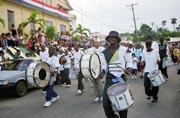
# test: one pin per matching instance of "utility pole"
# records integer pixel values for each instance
(134, 18)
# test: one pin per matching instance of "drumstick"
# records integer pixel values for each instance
(127, 72)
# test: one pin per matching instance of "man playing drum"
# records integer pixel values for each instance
(44, 55)
(77, 56)
(163, 53)
(150, 59)
(51, 95)
(97, 84)
(115, 57)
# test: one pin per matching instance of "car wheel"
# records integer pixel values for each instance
(21, 88)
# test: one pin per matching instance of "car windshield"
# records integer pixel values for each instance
(19, 65)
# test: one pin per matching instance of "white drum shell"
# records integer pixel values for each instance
(85, 66)
(32, 74)
(121, 101)
(156, 79)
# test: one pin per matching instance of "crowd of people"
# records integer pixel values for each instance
(65, 55)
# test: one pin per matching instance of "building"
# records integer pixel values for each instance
(55, 12)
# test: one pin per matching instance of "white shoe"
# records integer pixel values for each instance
(132, 77)
(97, 99)
(101, 99)
(48, 103)
(55, 98)
(44, 92)
(79, 92)
(68, 85)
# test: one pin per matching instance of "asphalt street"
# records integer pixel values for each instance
(71, 105)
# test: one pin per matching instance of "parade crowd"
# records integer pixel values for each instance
(64, 57)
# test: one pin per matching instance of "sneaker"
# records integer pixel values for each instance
(55, 98)
(154, 100)
(44, 92)
(97, 99)
(79, 92)
(132, 77)
(68, 85)
(47, 103)
(148, 97)
(101, 99)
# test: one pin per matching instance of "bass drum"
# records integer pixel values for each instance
(90, 66)
(38, 74)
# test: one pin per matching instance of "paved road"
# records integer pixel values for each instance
(71, 105)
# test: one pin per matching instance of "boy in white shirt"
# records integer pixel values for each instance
(134, 66)
(53, 61)
(150, 59)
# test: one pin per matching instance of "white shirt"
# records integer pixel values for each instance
(150, 59)
(54, 63)
(44, 55)
(123, 62)
(77, 57)
(134, 64)
(68, 63)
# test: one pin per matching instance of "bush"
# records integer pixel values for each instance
(51, 32)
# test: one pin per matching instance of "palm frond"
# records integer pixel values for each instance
(24, 24)
(2, 21)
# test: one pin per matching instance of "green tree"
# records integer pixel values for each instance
(51, 32)
(33, 19)
(163, 23)
(2, 21)
(173, 22)
(144, 31)
(81, 31)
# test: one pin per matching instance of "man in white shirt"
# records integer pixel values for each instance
(77, 56)
(44, 55)
(97, 83)
(150, 59)
(154, 44)
(115, 56)
(67, 66)
(51, 95)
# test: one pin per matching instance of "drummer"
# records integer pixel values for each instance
(44, 55)
(150, 60)
(114, 55)
(163, 53)
(77, 56)
(51, 95)
(97, 83)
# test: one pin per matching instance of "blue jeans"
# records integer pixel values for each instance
(50, 93)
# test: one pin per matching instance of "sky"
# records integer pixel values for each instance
(106, 15)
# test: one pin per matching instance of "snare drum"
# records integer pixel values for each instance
(167, 62)
(90, 66)
(156, 78)
(38, 74)
(120, 96)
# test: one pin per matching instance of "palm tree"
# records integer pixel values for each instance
(32, 19)
(163, 23)
(2, 21)
(81, 31)
(173, 22)
(178, 28)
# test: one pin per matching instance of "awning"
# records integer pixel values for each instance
(37, 4)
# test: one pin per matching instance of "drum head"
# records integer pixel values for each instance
(95, 65)
(117, 88)
(153, 73)
(42, 74)
(62, 60)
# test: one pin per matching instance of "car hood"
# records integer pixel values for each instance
(4, 75)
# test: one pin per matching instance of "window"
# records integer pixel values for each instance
(49, 2)
(49, 23)
(63, 28)
(10, 15)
